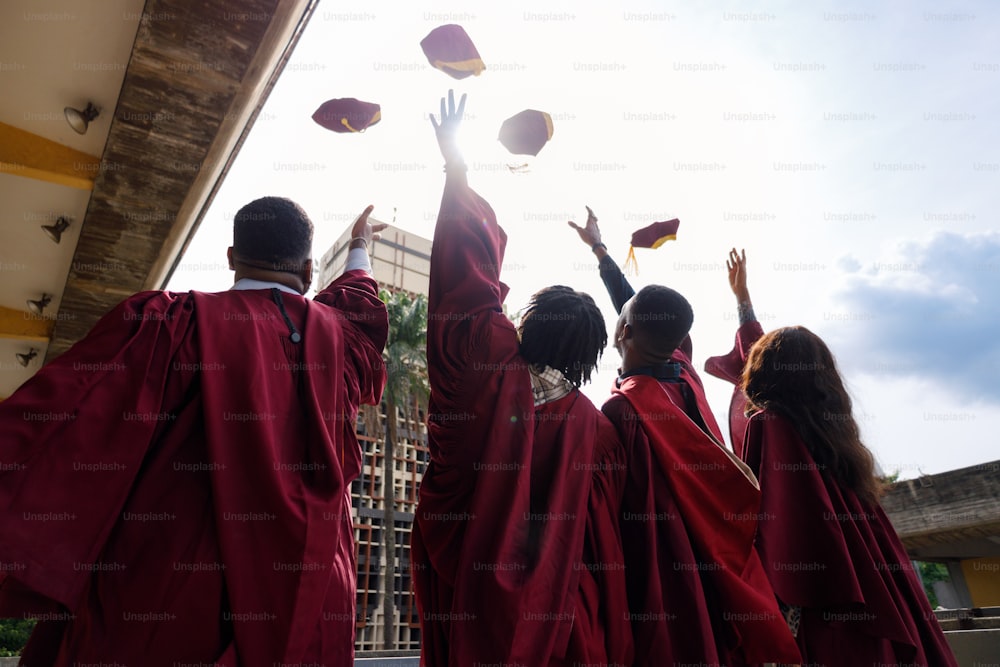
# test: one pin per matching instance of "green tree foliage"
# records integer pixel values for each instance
(930, 573)
(406, 389)
(405, 352)
(891, 478)
(14, 633)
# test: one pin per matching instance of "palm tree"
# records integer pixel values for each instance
(406, 388)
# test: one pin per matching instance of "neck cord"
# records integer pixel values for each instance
(294, 334)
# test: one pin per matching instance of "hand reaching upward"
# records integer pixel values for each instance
(364, 230)
(447, 129)
(590, 233)
(736, 264)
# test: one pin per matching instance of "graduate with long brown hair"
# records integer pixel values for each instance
(837, 567)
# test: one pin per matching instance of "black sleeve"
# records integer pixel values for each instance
(614, 280)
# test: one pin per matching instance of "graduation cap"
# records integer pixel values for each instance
(347, 114)
(527, 132)
(449, 49)
(652, 236)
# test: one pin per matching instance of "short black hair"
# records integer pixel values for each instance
(661, 317)
(564, 329)
(274, 231)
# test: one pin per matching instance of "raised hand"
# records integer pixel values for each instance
(364, 230)
(736, 264)
(590, 233)
(447, 129)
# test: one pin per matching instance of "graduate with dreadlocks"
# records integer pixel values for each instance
(515, 546)
(697, 591)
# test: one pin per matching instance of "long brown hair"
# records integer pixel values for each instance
(792, 372)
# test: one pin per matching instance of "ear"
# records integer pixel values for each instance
(307, 275)
(229, 256)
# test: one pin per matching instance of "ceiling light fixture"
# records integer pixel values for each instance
(25, 359)
(80, 120)
(37, 307)
(55, 231)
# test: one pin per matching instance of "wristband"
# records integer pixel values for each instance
(598, 245)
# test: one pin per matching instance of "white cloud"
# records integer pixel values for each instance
(931, 311)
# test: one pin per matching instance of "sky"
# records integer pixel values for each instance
(851, 148)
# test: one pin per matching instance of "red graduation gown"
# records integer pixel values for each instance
(689, 377)
(729, 367)
(839, 559)
(516, 555)
(697, 590)
(175, 487)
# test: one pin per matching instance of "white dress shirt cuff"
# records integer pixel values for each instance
(357, 258)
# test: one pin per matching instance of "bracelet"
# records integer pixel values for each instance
(598, 245)
(460, 165)
(744, 311)
(358, 238)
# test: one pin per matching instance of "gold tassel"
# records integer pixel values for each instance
(631, 266)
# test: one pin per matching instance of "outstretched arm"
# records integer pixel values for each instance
(467, 333)
(617, 285)
(736, 264)
(468, 243)
(729, 366)
(365, 322)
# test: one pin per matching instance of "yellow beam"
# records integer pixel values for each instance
(25, 154)
(22, 325)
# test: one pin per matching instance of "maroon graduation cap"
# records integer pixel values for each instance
(449, 49)
(347, 114)
(527, 132)
(652, 236)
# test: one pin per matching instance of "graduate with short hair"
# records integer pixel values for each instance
(697, 591)
(620, 291)
(175, 487)
(515, 546)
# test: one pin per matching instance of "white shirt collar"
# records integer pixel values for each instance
(250, 283)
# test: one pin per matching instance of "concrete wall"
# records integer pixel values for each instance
(975, 648)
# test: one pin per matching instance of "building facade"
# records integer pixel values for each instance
(400, 260)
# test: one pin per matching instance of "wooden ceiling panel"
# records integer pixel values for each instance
(193, 80)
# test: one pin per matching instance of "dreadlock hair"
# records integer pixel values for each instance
(661, 318)
(564, 329)
(793, 372)
(274, 233)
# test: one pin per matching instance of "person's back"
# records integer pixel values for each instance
(202, 478)
(515, 548)
(516, 556)
(689, 511)
(831, 553)
(688, 505)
